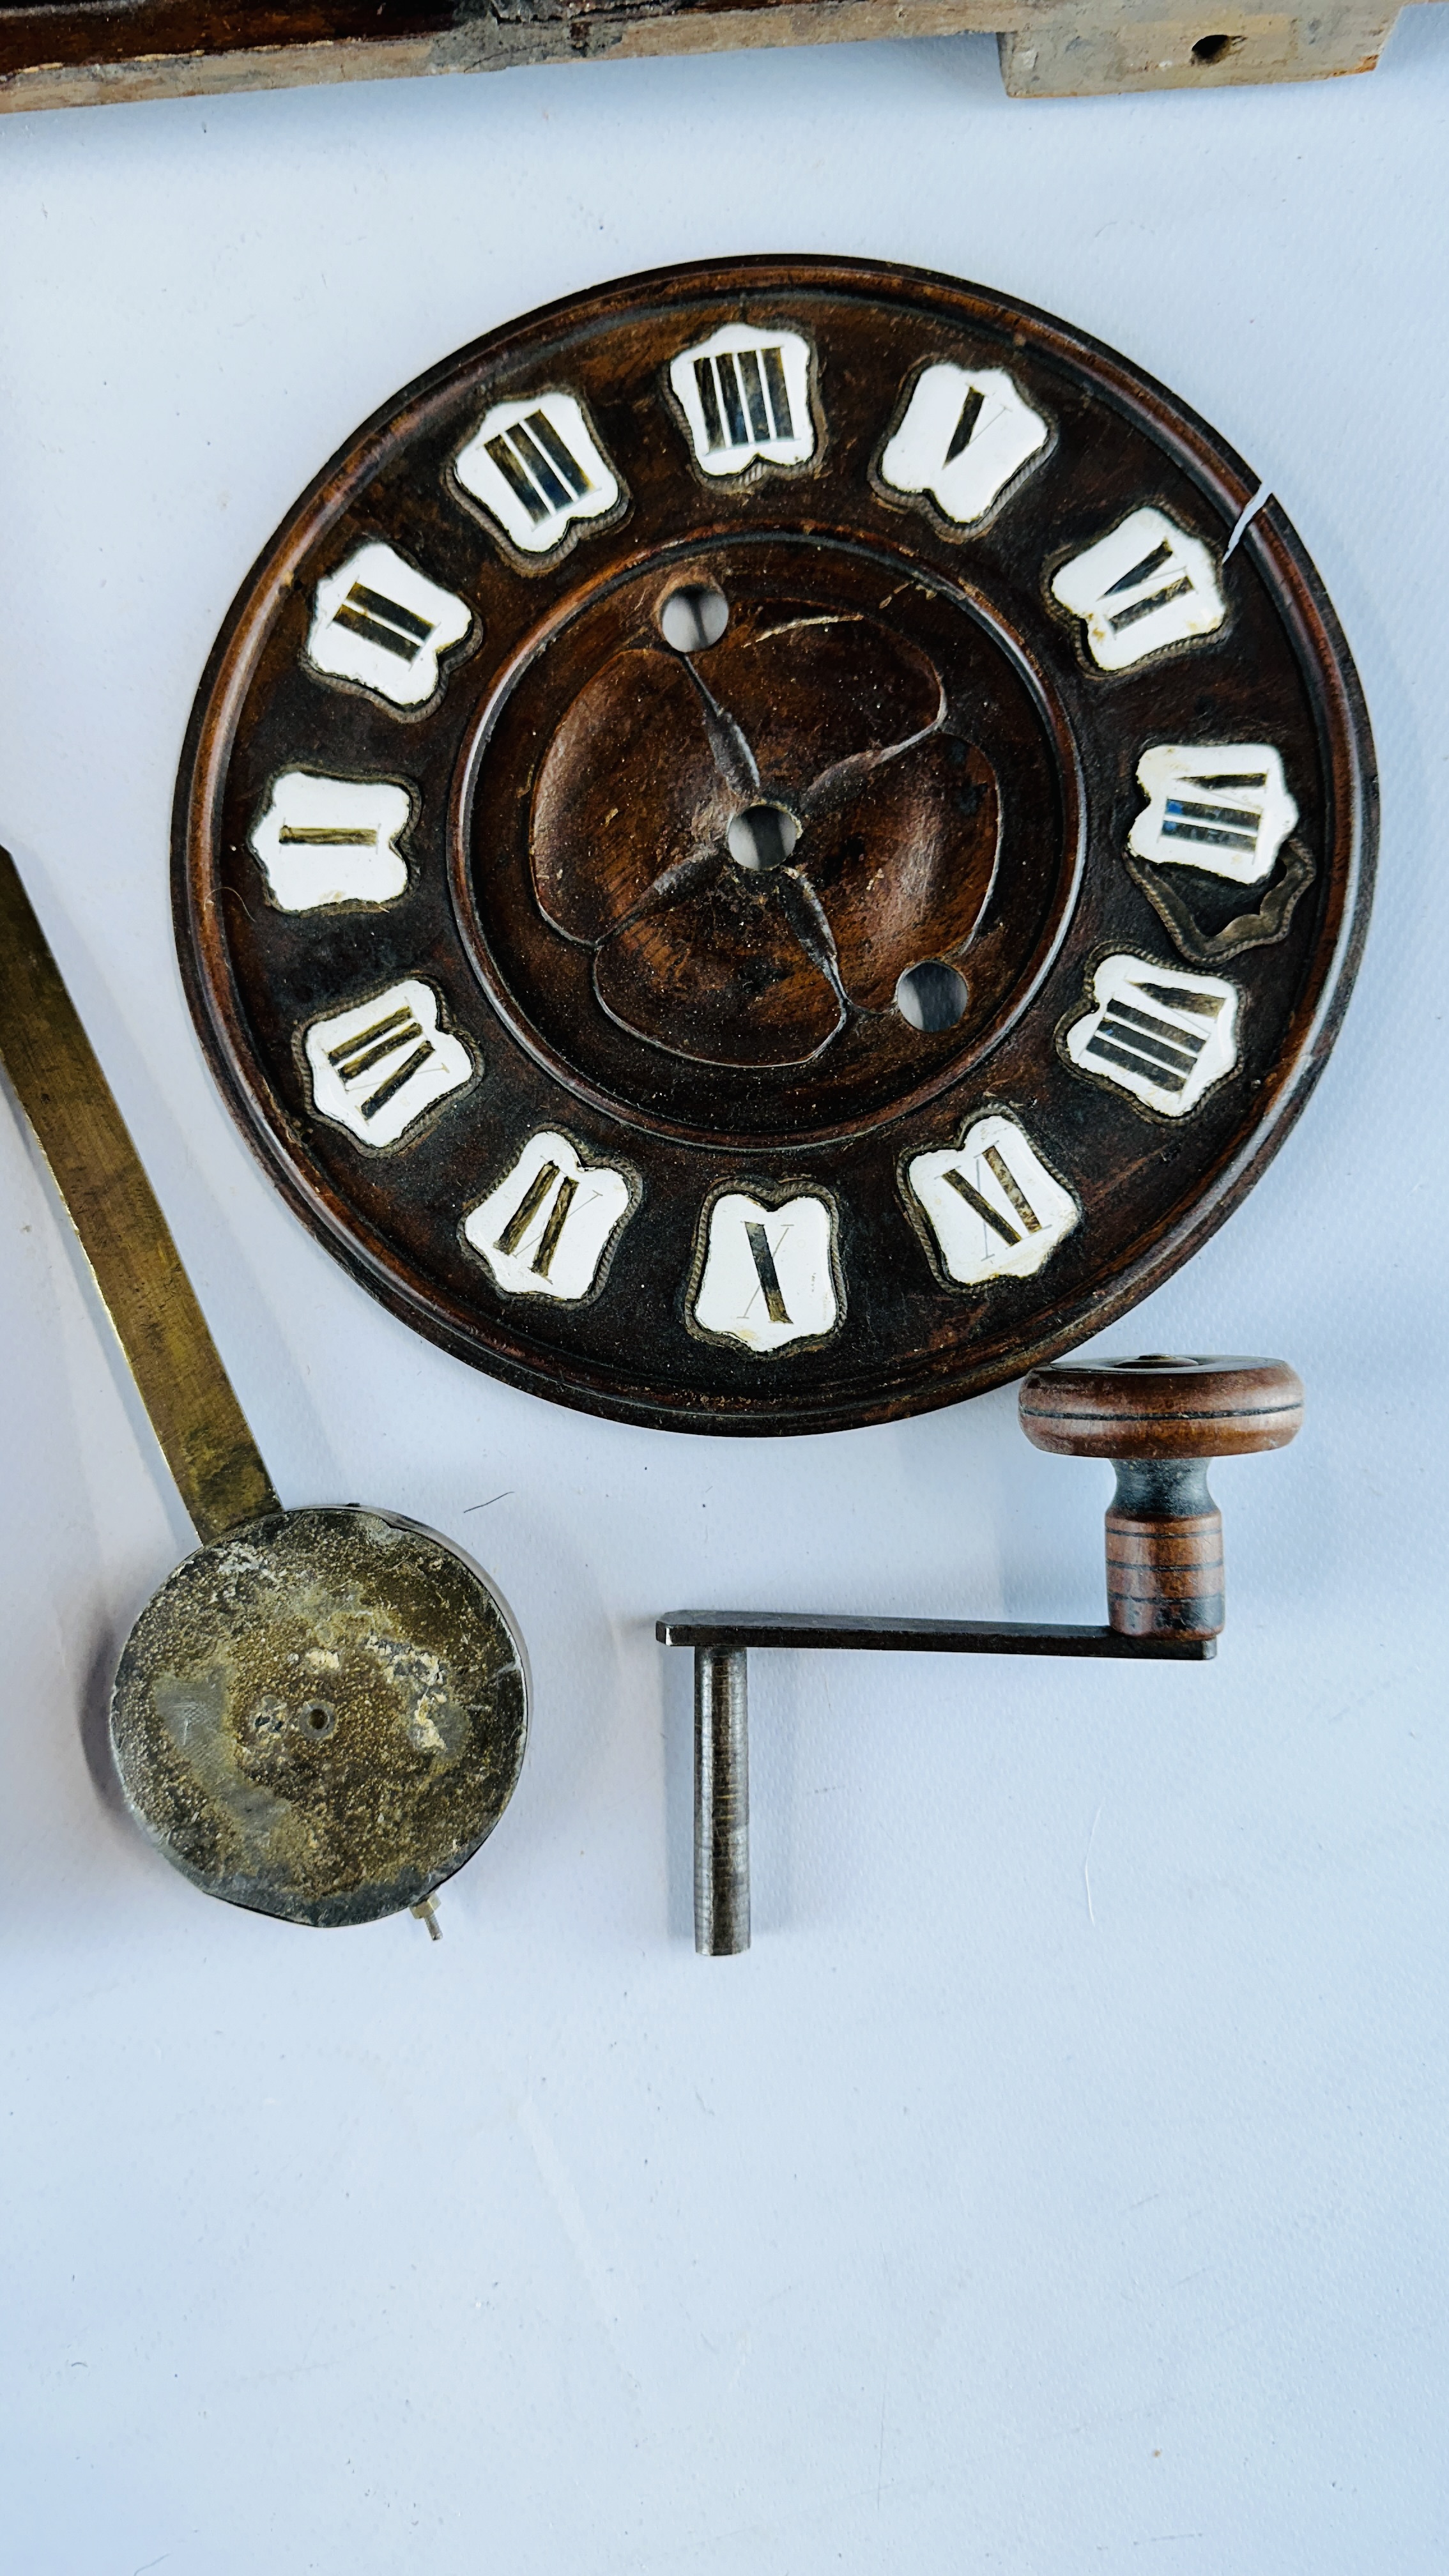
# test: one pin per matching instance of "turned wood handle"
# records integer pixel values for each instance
(1160, 1420)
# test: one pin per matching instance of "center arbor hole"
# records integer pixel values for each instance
(762, 838)
(316, 1718)
(693, 617)
(1213, 49)
(931, 996)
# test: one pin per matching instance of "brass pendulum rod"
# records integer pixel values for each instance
(193, 1408)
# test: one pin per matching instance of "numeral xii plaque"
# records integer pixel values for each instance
(772, 846)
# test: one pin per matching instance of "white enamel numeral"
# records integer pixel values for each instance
(378, 1065)
(769, 1274)
(1144, 585)
(1159, 1035)
(379, 621)
(331, 840)
(545, 1229)
(746, 395)
(1223, 806)
(536, 466)
(994, 1209)
(965, 435)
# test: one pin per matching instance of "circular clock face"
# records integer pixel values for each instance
(774, 844)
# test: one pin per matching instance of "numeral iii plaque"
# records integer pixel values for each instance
(773, 846)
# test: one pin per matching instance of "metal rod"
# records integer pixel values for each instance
(721, 1802)
(173, 1359)
(844, 1634)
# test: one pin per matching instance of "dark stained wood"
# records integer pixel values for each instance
(70, 53)
(1162, 1406)
(690, 1025)
(1160, 1419)
(74, 52)
(94, 31)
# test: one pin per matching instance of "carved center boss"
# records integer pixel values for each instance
(774, 845)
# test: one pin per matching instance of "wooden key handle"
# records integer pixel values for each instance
(1160, 1420)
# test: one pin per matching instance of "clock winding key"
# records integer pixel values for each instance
(1160, 1420)
(321, 1714)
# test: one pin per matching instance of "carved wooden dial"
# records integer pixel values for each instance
(773, 845)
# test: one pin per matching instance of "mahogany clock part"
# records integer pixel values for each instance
(321, 1715)
(774, 844)
(1161, 1421)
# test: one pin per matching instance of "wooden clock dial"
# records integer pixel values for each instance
(765, 850)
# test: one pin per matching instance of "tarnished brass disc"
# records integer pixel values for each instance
(321, 1716)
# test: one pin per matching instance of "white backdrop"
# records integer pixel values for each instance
(1059, 2182)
